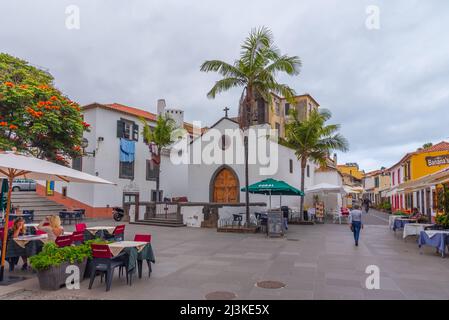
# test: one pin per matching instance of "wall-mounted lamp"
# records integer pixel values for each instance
(84, 145)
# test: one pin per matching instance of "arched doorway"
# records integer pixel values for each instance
(225, 186)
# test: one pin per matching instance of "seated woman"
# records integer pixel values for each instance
(52, 226)
(415, 214)
(17, 230)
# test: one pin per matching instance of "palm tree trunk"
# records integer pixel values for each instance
(303, 179)
(247, 119)
(245, 142)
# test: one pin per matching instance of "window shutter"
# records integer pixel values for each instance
(120, 128)
(135, 132)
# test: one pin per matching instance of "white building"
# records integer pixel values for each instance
(200, 182)
(109, 124)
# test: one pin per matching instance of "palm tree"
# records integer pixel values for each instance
(160, 136)
(255, 71)
(313, 140)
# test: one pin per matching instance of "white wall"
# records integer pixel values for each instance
(105, 164)
(199, 175)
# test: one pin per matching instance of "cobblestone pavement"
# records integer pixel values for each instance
(311, 262)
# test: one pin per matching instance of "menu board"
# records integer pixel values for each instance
(319, 210)
(275, 224)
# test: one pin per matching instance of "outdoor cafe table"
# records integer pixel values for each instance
(98, 232)
(438, 239)
(135, 250)
(401, 222)
(414, 229)
(25, 246)
(391, 220)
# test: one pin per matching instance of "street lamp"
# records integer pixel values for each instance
(84, 145)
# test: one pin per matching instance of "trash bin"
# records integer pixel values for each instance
(306, 215)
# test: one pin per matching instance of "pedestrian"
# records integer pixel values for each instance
(285, 216)
(366, 204)
(355, 222)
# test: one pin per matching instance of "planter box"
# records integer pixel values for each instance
(54, 277)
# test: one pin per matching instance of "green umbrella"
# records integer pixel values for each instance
(3, 194)
(273, 187)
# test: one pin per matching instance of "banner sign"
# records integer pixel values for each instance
(437, 161)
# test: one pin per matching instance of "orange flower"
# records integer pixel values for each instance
(13, 127)
(3, 123)
(41, 103)
(48, 103)
(54, 98)
(24, 86)
(85, 124)
(9, 84)
(43, 86)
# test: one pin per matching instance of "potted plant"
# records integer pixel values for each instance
(51, 263)
(442, 220)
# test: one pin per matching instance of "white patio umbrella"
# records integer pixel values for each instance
(14, 165)
(325, 188)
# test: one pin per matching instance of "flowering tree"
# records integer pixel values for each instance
(35, 117)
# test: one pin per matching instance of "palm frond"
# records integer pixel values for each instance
(223, 68)
(289, 65)
(224, 85)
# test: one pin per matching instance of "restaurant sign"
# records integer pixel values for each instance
(437, 161)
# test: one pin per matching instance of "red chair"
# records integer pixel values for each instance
(80, 227)
(64, 241)
(143, 238)
(104, 262)
(118, 234)
(78, 237)
(40, 232)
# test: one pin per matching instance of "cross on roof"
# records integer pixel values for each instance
(226, 111)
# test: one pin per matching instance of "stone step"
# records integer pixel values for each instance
(161, 222)
(30, 200)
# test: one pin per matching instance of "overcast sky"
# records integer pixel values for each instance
(387, 87)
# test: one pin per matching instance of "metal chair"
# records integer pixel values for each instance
(143, 238)
(118, 234)
(80, 227)
(78, 237)
(105, 263)
(64, 241)
(237, 218)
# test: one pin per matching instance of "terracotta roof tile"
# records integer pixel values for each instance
(441, 146)
(135, 112)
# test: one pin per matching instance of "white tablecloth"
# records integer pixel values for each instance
(413, 229)
(94, 230)
(391, 220)
(431, 233)
(117, 247)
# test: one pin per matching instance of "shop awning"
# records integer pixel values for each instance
(441, 176)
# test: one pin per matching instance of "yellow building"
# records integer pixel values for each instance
(276, 112)
(374, 183)
(351, 169)
(413, 166)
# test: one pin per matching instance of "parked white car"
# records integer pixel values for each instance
(24, 185)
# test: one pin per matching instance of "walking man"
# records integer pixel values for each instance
(366, 204)
(355, 222)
